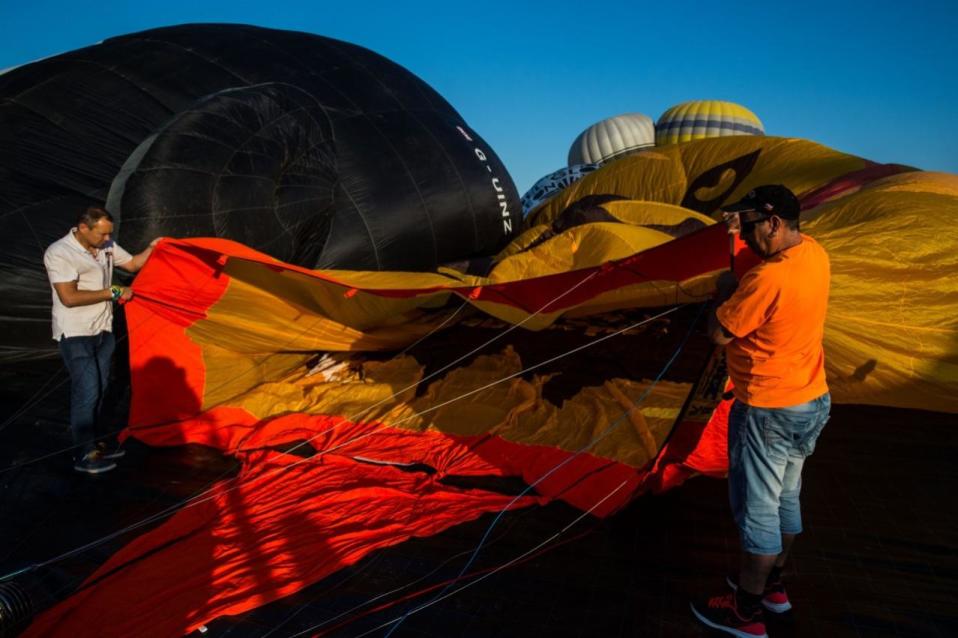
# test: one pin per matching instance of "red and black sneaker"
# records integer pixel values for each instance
(774, 598)
(722, 613)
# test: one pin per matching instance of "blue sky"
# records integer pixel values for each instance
(875, 79)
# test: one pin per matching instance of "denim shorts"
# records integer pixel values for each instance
(767, 448)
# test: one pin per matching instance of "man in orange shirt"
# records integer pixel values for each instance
(772, 324)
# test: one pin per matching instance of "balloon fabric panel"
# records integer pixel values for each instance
(315, 151)
(262, 353)
(283, 523)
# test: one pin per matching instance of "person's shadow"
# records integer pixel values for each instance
(247, 538)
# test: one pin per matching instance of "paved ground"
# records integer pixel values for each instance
(880, 556)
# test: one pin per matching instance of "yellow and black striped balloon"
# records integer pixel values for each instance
(699, 119)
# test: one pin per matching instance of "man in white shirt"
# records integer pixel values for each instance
(80, 269)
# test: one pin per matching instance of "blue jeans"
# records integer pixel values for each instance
(88, 362)
(767, 448)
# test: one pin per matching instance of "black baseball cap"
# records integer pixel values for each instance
(770, 199)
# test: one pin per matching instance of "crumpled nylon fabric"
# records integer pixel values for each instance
(224, 342)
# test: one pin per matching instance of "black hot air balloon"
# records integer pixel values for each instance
(315, 151)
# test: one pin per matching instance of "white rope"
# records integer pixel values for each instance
(474, 552)
(200, 497)
(36, 398)
(212, 493)
(378, 597)
(608, 430)
(507, 378)
(208, 494)
(434, 330)
(489, 574)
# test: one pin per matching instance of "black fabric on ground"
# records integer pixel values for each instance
(878, 557)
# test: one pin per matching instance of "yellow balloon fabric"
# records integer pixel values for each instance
(575, 360)
(705, 174)
(891, 335)
(892, 331)
(699, 119)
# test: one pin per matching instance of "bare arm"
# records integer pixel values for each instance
(139, 260)
(726, 284)
(71, 297)
(717, 333)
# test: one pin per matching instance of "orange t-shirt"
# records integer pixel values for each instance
(777, 315)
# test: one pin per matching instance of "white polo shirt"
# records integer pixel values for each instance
(67, 260)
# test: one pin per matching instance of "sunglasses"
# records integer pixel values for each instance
(746, 227)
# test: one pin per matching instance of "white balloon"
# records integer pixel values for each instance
(612, 138)
(552, 184)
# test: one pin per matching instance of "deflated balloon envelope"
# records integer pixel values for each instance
(315, 151)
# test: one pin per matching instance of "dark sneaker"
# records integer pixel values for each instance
(111, 452)
(774, 598)
(93, 463)
(722, 614)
